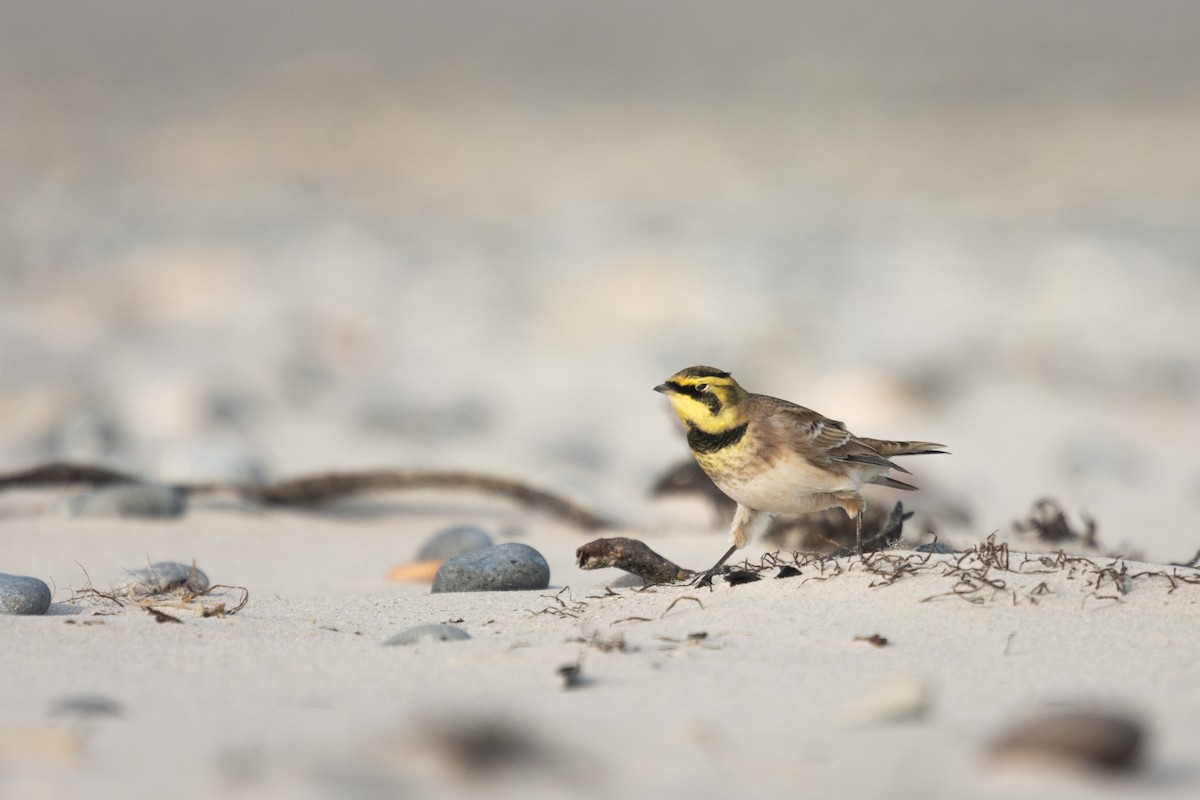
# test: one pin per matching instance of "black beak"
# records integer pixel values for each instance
(665, 388)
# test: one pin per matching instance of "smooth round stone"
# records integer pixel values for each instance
(441, 632)
(159, 578)
(20, 594)
(86, 705)
(129, 500)
(501, 568)
(1086, 738)
(454, 542)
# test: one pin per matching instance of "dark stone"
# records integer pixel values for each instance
(23, 595)
(501, 568)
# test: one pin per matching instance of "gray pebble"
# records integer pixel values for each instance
(441, 632)
(159, 578)
(23, 595)
(937, 548)
(1080, 738)
(454, 542)
(502, 568)
(129, 500)
(86, 705)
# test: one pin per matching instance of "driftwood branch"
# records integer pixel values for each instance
(632, 556)
(63, 474)
(317, 490)
(320, 489)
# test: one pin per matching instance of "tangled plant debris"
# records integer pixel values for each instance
(193, 596)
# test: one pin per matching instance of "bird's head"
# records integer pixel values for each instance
(705, 398)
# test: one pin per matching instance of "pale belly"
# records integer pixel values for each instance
(793, 487)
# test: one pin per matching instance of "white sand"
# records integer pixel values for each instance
(295, 697)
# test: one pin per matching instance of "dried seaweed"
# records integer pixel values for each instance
(200, 602)
(560, 607)
(875, 640)
(1049, 523)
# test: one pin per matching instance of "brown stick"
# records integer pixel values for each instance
(320, 489)
(62, 474)
(632, 556)
(316, 490)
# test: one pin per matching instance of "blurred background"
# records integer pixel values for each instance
(266, 239)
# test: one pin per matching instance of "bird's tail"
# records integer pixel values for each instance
(889, 449)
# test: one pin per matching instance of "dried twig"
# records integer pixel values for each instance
(631, 555)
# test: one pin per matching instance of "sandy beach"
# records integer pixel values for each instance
(241, 244)
(763, 689)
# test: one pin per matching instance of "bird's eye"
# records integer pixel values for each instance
(700, 387)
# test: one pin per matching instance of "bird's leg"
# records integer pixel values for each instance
(747, 522)
(854, 506)
(706, 578)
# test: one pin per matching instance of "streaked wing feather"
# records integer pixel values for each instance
(827, 439)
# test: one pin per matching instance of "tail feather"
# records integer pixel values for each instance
(889, 449)
(892, 483)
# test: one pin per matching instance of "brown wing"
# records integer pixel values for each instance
(822, 440)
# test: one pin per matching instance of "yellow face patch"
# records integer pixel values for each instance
(704, 398)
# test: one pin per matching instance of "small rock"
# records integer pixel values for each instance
(20, 594)
(441, 632)
(160, 578)
(937, 548)
(572, 676)
(454, 542)
(86, 705)
(1077, 738)
(501, 568)
(129, 500)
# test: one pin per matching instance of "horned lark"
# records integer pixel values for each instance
(772, 456)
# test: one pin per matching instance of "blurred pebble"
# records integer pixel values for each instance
(501, 568)
(129, 500)
(440, 632)
(892, 700)
(1075, 738)
(23, 595)
(159, 578)
(937, 548)
(86, 705)
(454, 542)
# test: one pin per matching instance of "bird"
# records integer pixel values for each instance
(772, 456)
